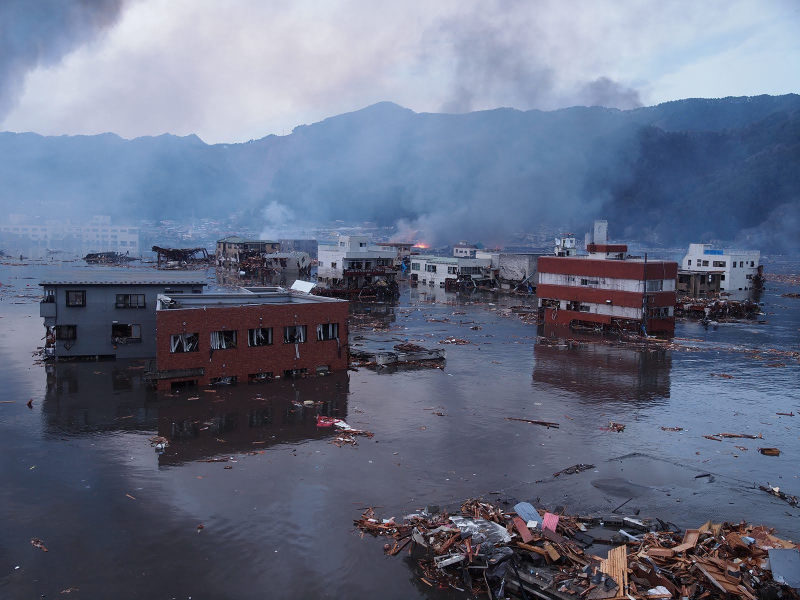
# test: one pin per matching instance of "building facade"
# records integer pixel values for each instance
(698, 283)
(626, 294)
(310, 247)
(98, 235)
(355, 262)
(513, 269)
(106, 317)
(739, 270)
(233, 249)
(209, 339)
(445, 271)
(464, 250)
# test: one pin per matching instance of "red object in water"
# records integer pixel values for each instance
(325, 421)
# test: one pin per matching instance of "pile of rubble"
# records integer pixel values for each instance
(489, 550)
(717, 310)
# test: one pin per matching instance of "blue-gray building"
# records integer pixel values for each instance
(107, 314)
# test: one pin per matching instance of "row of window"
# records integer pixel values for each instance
(260, 336)
(720, 263)
(78, 298)
(120, 332)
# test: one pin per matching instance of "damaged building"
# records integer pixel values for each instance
(355, 266)
(450, 273)
(738, 270)
(607, 290)
(249, 336)
(106, 316)
(181, 258)
(233, 249)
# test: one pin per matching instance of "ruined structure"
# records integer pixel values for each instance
(179, 258)
(209, 339)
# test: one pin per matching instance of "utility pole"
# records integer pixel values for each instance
(644, 296)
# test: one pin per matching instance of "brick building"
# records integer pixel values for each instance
(627, 294)
(209, 339)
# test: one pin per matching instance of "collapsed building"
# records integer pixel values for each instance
(277, 268)
(210, 339)
(607, 289)
(233, 249)
(180, 258)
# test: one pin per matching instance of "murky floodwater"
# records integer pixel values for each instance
(121, 520)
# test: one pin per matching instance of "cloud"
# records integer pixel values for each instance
(38, 35)
(242, 69)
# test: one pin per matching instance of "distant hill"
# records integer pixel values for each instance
(673, 173)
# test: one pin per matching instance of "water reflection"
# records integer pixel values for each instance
(598, 371)
(87, 398)
(380, 315)
(248, 418)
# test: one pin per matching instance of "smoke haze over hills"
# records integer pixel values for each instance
(671, 173)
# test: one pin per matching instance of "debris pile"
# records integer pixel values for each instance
(489, 550)
(717, 310)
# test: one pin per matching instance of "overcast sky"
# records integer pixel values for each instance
(233, 70)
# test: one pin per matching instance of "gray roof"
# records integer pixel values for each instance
(99, 276)
(216, 300)
(235, 239)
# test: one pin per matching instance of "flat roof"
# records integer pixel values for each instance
(235, 239)
(97, 276)
(186, 301)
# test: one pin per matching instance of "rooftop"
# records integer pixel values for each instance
(96, 276)
(235, 239)
(277, 296)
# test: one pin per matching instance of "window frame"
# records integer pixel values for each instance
(184, 337)
(61, 337)
(73, 303)
(333, 328)
(304, 334)
(121, 303)
(251, 337)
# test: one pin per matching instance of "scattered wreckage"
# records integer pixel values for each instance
(182, 258)
(711, 309)
(490, 550)
(404, 354)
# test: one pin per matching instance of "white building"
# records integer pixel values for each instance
(355, 260)
(739, 269)
(97, 235)
(434, 271)
(464, 250)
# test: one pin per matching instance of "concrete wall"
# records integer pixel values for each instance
(244, 360)
(93, 321)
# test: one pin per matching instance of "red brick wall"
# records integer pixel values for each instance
(243, 359)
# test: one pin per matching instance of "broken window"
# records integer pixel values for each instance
(655, 285)
(256, 377)
(333, 265)
(66, 332)
(452, 270)
(76, 297)
(121, 332)
(294, 373)
(294, 334)
(327, 331)
(323, 369)
(222, 340)
(590, 282)
(261, 336)
(130, 301)
(183, 342)
(584, 308)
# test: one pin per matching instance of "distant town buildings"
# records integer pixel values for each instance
(738, 270)
(97, 235)
(308, 246)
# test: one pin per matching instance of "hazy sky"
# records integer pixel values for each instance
(233, 70)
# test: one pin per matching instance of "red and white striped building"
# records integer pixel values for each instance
(606, 289)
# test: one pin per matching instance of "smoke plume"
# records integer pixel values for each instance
(41, 32)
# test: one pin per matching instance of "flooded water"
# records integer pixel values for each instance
(120, 519)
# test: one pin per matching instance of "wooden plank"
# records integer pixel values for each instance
(661, 552)
(616, 566)
(523, 530)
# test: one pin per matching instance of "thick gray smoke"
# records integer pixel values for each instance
(41, 32)
(508, 60)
